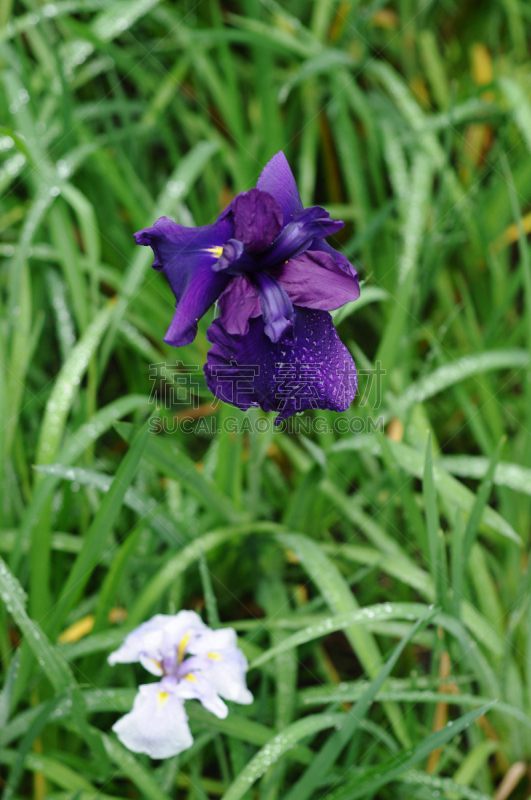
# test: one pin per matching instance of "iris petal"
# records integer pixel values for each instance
(308, 368)
(157, 724)
(309, 224)
(314, 280)
(257, 219)
(135, 642)
(341, 261)
(196, 686)
(223, 664)
(277, 179)
(238, 303)
(277, 308)
(154, 643)
(231, 253)
(186, 256)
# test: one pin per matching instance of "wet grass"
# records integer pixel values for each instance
(326, 549)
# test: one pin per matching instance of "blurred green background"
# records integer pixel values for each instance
(409, 120)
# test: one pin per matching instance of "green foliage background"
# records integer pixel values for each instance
(412, 122)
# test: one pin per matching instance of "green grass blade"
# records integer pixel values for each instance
(66, 387)
(328, 754)
(100, 528)
(389, 771)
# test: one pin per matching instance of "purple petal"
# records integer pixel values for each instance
(341, 260)
(237, 304)
(277, 179)
(186, 256)
(308, 225)
(277, 308)
(232, 251)
(314, 280)
(245, 298)
(257, 219)
(308, 368)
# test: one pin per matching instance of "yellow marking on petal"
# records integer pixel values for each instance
(215, 656)
(161, 698)
(182, 646)
(191, 678)
(216, 251)
(157, 663)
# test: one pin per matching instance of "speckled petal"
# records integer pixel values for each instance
(308, 368)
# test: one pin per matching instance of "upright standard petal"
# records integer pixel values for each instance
(257, 219)
(277, 179)
(157, 724)
(314, 280)
(186, 256)
(308, 368)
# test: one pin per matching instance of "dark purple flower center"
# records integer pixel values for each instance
(261, 244)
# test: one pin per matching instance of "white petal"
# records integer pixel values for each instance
(196, 686)
(225, 664)
(215, 641)
(157, 638)
(228, 679)
(182, 629)
(157, 724)
(133, 644)
(152, 662)
(188, 619)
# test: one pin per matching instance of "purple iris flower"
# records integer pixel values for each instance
(267, 263)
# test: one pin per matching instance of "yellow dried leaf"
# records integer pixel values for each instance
(385, 18)
(482, 72)
(117, 615)
(420, 90)
(395, 430)
(79, 629)
(292, 557)
(510, 236)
